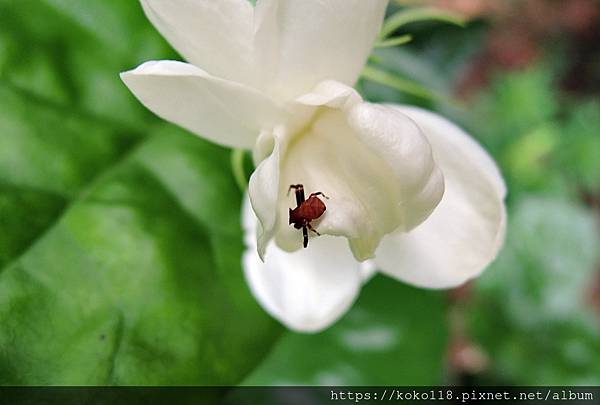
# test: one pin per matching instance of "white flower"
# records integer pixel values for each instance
(409, 193)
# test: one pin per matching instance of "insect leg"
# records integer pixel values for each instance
(313, 229)
(318, 194)
(305, 235)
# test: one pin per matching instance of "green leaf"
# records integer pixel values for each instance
(394, 334)
(48, 154)
(518, 120)
(120, 249)
(399, 83)
(64, 113)
(71, 52)
(24, 214)
(529, 158)
(580, 147)
(517, 103)
(397, 41)
(411, 15)
(139, 282)
(530, 312)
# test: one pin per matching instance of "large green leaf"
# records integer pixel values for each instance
(64, 113)
(394, 334)
(531, 311)
(71, 52)
(47, 156)
(120, 245)
(139, 282)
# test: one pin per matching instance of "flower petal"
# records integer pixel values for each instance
(375, 167)
(224, 112)
(214, 35)
(466, 230)
(305, 42)
(264, 186)
(307, 290)
(398, 141)
(332, 94)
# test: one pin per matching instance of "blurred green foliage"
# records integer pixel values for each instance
(580, 146)
(120, 240)
(543, 144)
(393, 333)
(531, 312)
(544, 328)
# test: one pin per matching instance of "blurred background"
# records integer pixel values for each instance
(120, 240)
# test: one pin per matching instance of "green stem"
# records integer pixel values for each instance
(388, 43)
(237, 167)
(411, 15)
(398, 83)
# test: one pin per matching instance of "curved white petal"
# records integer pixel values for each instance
(224, 112)
(373, 164)
(307, 290)
(303, 42)
(398, 141)
(333, 94)
(264, 185)
(465, 232)
(214, 35)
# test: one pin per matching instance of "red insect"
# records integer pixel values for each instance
(306, 210)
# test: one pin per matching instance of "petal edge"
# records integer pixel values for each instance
(466, 231)
(224, 112)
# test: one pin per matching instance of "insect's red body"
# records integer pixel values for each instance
(307, 210)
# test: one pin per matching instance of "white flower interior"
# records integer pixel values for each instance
(373, 163)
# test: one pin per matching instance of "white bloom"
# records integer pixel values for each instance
(407, 189)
